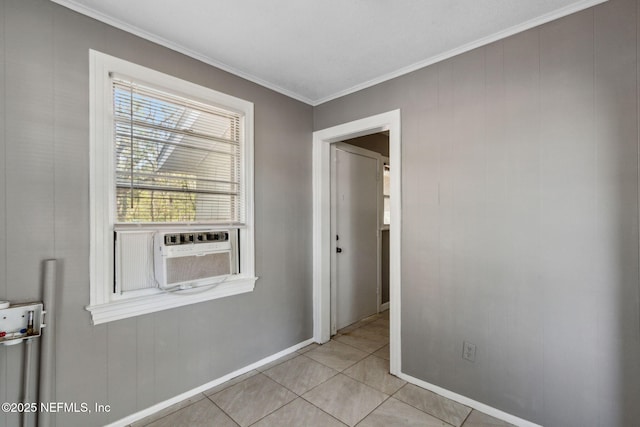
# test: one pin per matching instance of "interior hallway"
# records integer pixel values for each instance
(343, 382)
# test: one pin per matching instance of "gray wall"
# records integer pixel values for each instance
(44, 203)
(520, 218)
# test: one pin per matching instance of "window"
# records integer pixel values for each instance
(386, 193)
(168, 157)
(176, 160)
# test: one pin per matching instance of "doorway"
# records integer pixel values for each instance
(322, 141)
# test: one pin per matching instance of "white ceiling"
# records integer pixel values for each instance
(317, 50)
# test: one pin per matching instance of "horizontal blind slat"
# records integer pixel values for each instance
(175, 144)
(140, 88)
(213, 181)
(177, 160)
(175, 190)
(141, 126)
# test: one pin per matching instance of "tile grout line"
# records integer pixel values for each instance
(322, 410)
(317, 385)
(388, 396)
(170, 413)
(324, 364)
(289, 403)
(352, 346)
(422, 410)
(371, 412)
(222, 410)
(360, 382)
(367, 354)
(466, 418)
(266, 415)
(349, 376)
(433, 415)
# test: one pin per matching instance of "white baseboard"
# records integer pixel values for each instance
(384, 307)
(123, 422)
(469, 402)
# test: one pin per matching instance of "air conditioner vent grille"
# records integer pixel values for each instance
(184, 269)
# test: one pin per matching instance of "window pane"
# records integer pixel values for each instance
(387, 211)
(386, 186)
(177, 160)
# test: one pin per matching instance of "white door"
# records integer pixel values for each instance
(355, 225)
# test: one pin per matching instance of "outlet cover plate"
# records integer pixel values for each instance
(469, 351)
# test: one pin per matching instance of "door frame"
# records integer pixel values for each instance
(352, 149)
(322, 140)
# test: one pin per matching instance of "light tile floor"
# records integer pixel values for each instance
(343, 382)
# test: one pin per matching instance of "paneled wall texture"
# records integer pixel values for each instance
(519, 212)
(44, 210)
(520, 218)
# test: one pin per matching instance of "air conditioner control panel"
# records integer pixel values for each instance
(171, 239)
(193, 243)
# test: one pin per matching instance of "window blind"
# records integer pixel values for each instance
(177, 160)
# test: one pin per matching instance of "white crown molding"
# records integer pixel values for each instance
(557, 14)
(552, 16)
(70, 4)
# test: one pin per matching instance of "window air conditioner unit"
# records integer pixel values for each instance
(184, 260)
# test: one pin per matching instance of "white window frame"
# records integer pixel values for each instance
(104, 305)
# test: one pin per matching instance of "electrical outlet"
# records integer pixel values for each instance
(468, 351)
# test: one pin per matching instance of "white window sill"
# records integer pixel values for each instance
(125, 308)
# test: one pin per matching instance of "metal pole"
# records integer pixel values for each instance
(48, 343)
(26, 379)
